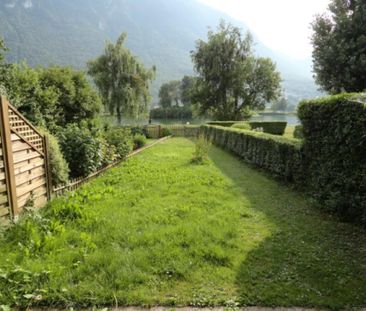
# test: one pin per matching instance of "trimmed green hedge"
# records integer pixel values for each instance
(329, 162)
(222, 123)
(242, 126)
(275, 128)
(298, 132)
(334, 130)
(280, 156)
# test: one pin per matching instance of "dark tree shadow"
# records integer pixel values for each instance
(310, 258)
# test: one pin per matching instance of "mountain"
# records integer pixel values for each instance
(160, 32)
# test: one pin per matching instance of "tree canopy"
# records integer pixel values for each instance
(339, 41)
(122, 80)
(2, 50)
(231, 79)
(177, 92)
(51, 97)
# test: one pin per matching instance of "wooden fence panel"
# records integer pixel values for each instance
(24, 171)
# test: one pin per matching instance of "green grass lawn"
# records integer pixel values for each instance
(158, 230)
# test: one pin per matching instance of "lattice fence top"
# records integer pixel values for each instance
(21, 127)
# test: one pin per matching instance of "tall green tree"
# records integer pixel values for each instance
(2, 50)
(51, 97)
(280, 105)
(186, 90)
(169, 94)
(231, 79)
(339, 41)
(122, 80)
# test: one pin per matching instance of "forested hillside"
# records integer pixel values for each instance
(160, 32)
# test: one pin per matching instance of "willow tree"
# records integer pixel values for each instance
(339, 41)
(122, 80)
(231, 79)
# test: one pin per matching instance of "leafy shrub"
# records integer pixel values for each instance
(242, 126)
(280, 156)
(82, 150)
(181, 130)
(201, 150)
(222, 123)
(275, 128)
(298, 132)
(171, 113)
(58, 165)
(138, 130)
(334, 130)
(139, 141)
(165, 132)
(121, 139)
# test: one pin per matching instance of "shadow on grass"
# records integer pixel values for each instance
(310, 259)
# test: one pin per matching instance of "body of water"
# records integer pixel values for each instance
(291, 119)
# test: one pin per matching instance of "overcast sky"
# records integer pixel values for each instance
(282, 25)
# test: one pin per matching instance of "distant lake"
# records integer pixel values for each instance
(291, 119)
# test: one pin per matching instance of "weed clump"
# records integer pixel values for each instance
(200, 155)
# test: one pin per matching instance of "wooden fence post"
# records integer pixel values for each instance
(8, 157)
(47, 166)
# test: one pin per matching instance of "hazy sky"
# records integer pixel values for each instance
(283, 25)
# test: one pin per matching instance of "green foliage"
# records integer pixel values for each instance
(121, 139)
(339, 41)
(22, 287)
(58, 165)
(165, 132)
(282, 157)
(220, 234)
(82, 149)
(334, 130)
(280, 105)
(180, 130)
(122, 80)
(187, 86)
(171, 113)
(169, 94)
(51, 97)
(202, 146)
(139, 141)
(242, 126)
(2, 50)
(275, 128)
(76, 100)
(298, 132)
(222, 123)
(176, 93)
(230, 78)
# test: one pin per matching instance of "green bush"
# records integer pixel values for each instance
(171, 113)
(82, 149)
(121, 139)
(242, 126)
(275, 128)
(282, 157)
(334, 130)
(201, 150)
(165, 132)
(222, 123)
(139, 141)
(182, 130)
(298, 132)
(58, 165)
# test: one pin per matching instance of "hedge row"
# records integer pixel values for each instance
(329, 162)
(280, 156)
(275, 128)
(334, 136)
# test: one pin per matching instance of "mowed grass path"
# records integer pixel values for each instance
(158, 230)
